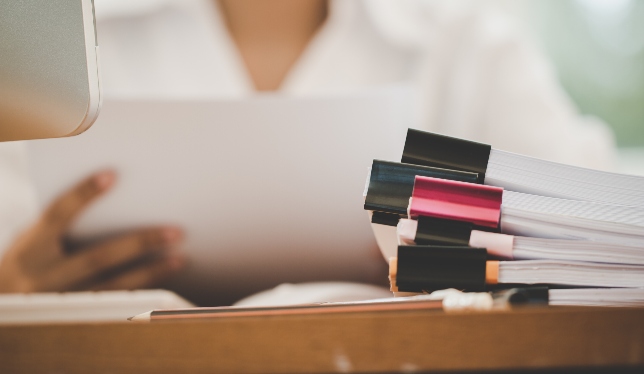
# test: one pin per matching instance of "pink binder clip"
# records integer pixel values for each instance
(460, 201)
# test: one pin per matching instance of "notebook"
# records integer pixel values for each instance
(267, 189)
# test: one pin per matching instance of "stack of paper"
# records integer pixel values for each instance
(522, 221)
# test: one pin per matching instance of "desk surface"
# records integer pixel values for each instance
(528, 338)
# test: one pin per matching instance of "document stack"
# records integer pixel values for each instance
(459, 214)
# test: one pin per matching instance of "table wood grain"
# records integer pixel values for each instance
(425, 341)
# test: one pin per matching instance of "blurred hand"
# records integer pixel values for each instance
(38, 261)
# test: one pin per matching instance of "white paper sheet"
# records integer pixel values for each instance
(269, 189)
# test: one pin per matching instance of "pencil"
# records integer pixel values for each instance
(303, 309)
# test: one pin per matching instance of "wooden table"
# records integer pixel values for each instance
(528, 338)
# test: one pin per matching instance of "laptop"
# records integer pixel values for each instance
(268, 189)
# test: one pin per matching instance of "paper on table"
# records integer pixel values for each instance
(102, 306)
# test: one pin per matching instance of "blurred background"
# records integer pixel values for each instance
(597, 49)
(595, 46)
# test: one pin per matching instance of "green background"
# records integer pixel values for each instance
(597, 48)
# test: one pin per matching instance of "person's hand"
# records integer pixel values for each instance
(38, 261)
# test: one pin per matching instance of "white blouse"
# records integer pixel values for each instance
(476, 75)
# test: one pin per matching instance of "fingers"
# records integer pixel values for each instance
(90, 263)
(67, 207)
(145, 276)
(39, 248)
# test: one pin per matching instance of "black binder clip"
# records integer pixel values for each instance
(522, 296)
(428, 268)
(429, 149)
(391, 184)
